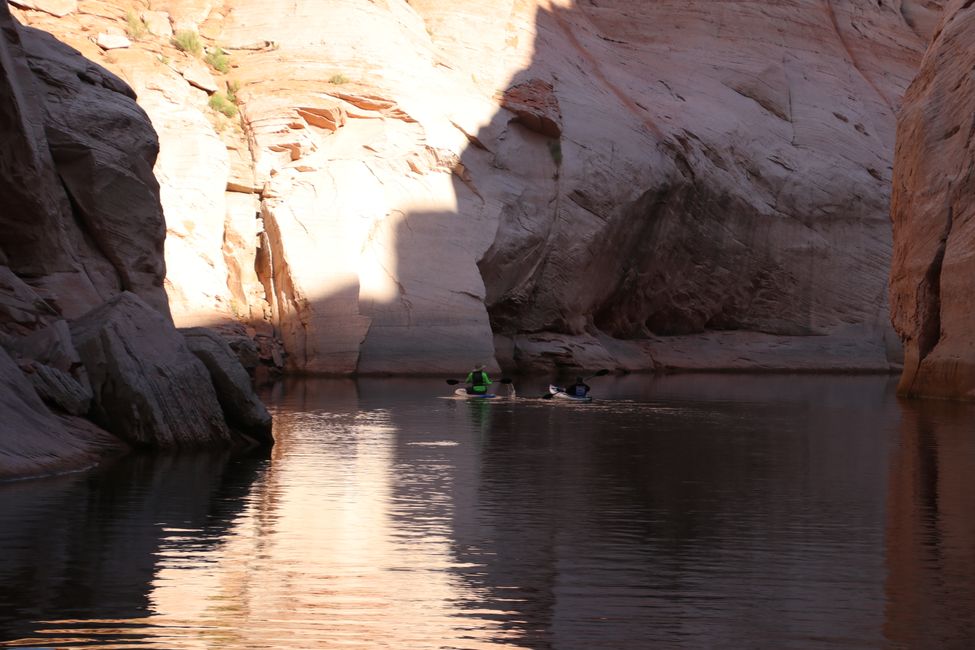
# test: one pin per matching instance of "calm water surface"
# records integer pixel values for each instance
(679, 512)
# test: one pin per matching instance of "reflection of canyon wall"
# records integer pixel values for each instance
(622, 183)
(89, 543)
(930, 526)
(86, 334)
(932, 211)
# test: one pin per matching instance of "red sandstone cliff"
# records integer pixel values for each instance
(932, 213)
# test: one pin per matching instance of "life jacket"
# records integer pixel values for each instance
(479, 381)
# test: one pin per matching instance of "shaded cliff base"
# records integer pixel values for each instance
(732, 351)
(119, 376)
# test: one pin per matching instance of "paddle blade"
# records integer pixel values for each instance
(505, 380)
(453, 382)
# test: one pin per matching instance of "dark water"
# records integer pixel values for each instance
(683, 512)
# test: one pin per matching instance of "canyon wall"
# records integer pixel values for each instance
(90, 360)
(934, 216)
(412, 187)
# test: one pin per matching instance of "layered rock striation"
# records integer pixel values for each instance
(409, 187)
(934, 216)
(90, 359)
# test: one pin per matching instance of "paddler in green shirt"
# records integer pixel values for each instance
(478, 380)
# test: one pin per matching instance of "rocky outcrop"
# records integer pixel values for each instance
(36, 440)
(932, 213)
(83, 219)
(668, 184)
(149, 388)
(85, 326)
(240, 405)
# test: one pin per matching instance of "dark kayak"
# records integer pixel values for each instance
(560, 394)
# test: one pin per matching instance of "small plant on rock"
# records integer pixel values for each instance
(135, 27)
(220, 103)
(218, 60)
(232, 87)
(188, 41)
(338, 79)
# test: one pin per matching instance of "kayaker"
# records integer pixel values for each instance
(478, 380)
(578, 389)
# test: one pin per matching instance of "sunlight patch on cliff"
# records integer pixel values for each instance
(379, 278)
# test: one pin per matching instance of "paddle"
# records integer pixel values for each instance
(454, 382)
(598, 373)
(503, 380)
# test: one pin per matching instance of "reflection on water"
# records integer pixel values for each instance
(690, 511)
(931, 529)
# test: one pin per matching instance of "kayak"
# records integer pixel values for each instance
(462, 392)
(558, 393)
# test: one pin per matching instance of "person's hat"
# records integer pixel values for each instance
(479, 366)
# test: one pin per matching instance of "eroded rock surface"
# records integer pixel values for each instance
(934, 216)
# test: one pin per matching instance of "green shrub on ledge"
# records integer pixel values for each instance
(218, 60)
(220, 103)
(135, 27)
(232, 87)
(188, 41)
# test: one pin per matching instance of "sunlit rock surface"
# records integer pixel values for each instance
(932, 211)
(682, 184)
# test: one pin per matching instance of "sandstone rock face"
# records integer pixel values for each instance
(240, 405)
(53, 7)
(34, 440)
(149, 389)
(82, 220)
(59, 388)
(82, 241)
(112, 41)
(934, 216)
(743, 188)
(761, 206)
(668, 184)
